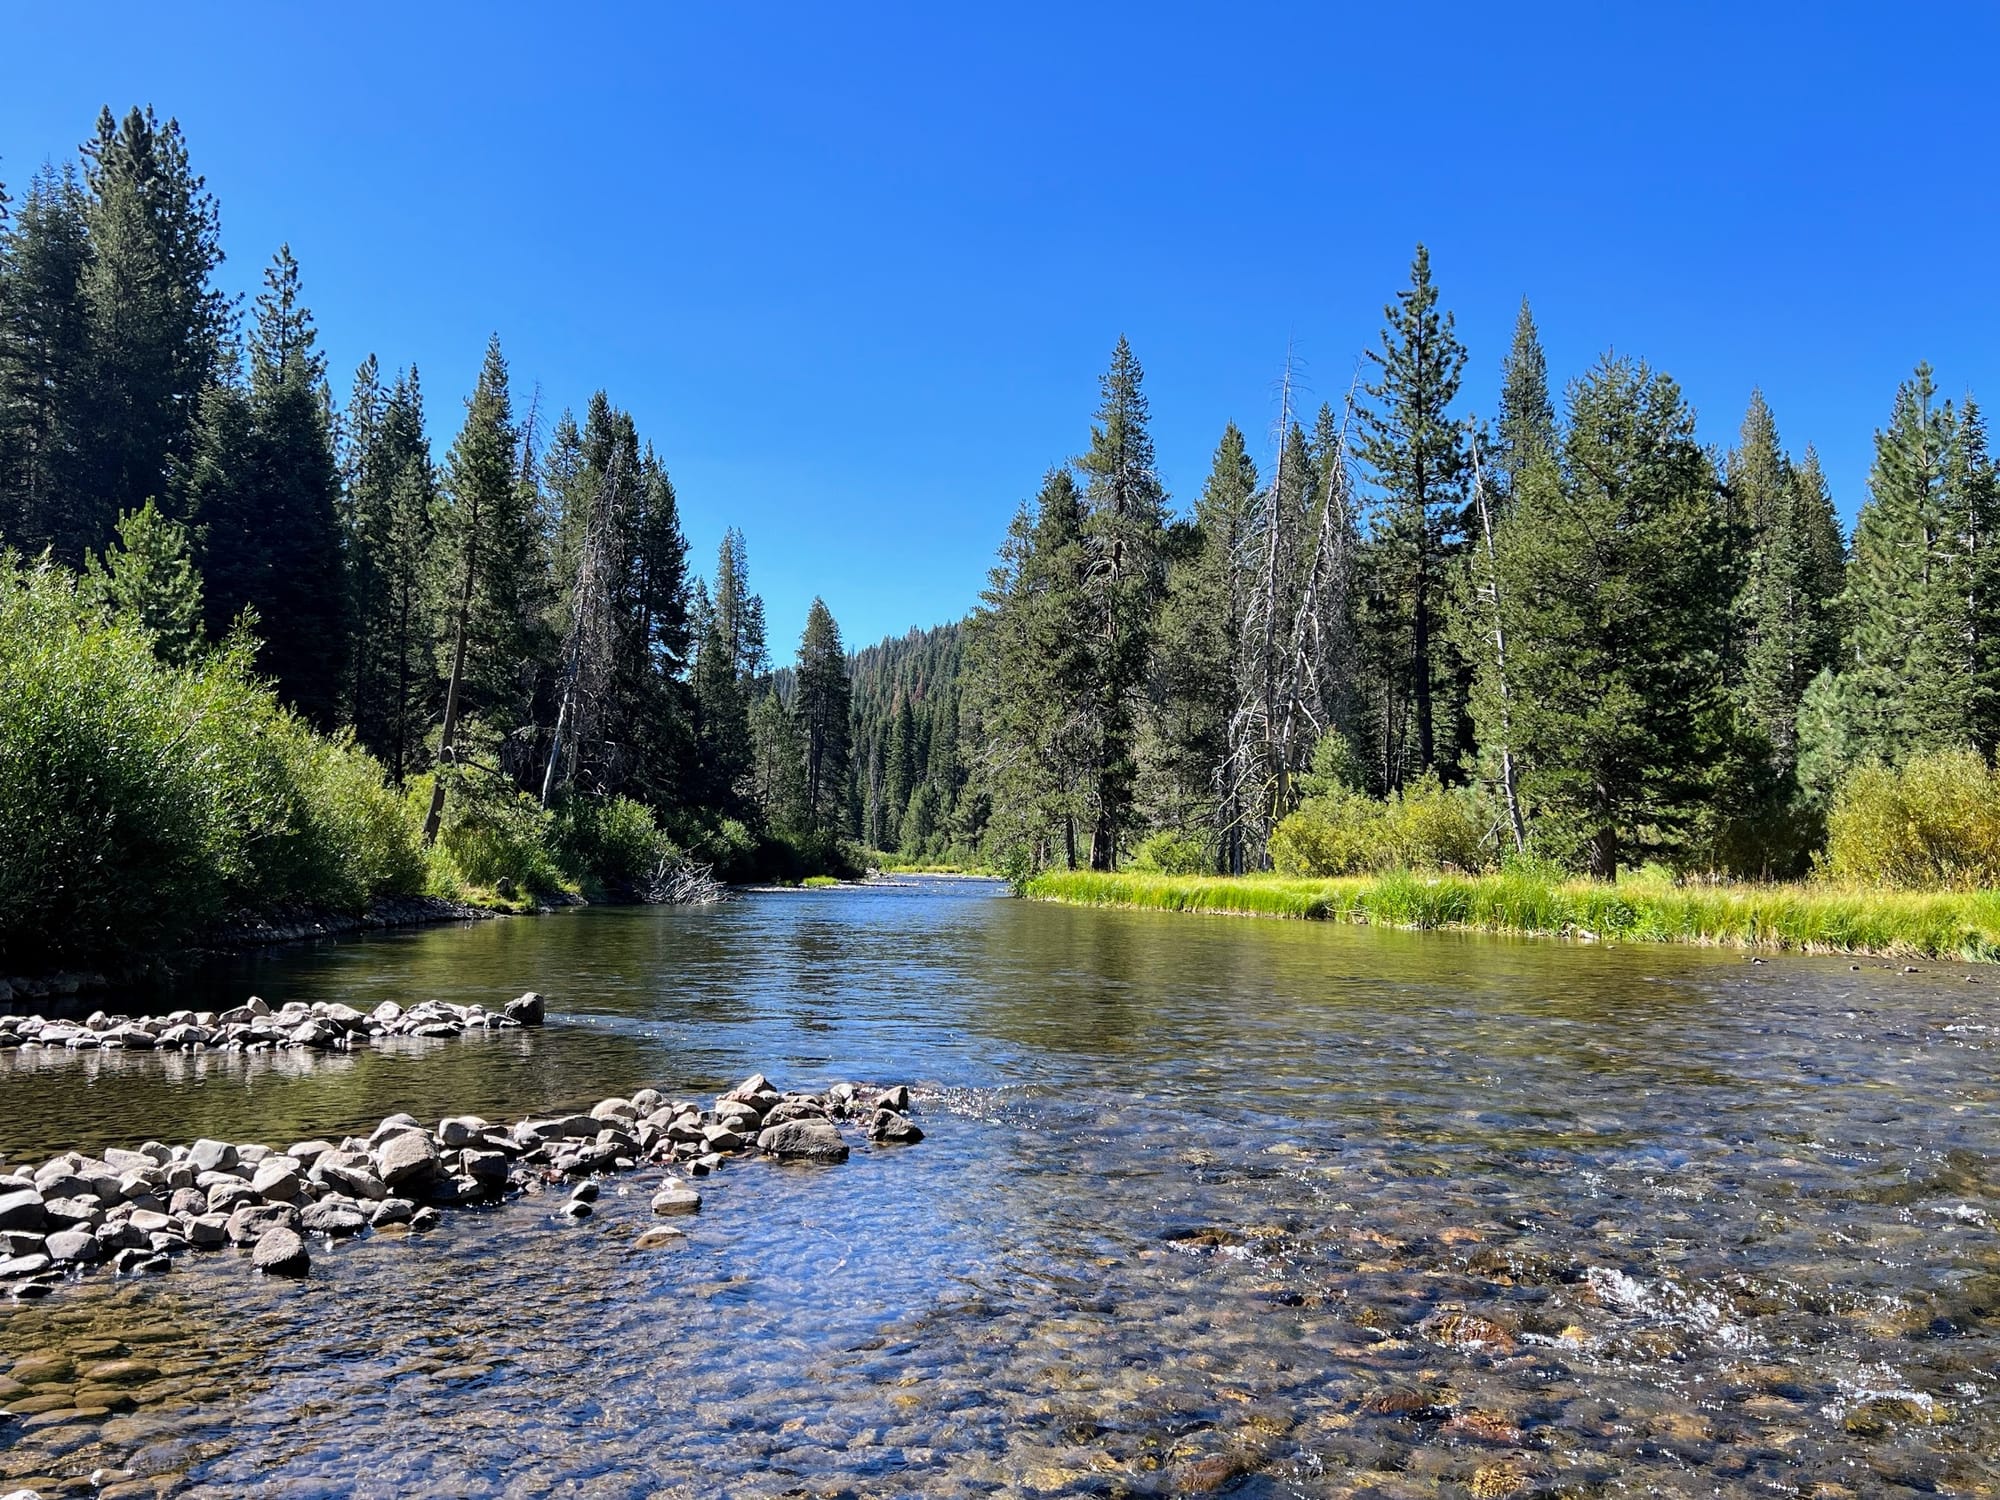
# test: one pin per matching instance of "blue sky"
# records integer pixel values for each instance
(856, 269)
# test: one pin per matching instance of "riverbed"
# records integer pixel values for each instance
(1204, 1206)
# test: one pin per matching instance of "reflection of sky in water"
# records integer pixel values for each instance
(1199, 1195)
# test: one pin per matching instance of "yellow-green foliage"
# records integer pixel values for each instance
(1807, 918)
(1345, 832)
(1173, 853)
(1933, 822)
(495, 843)
(141, 801)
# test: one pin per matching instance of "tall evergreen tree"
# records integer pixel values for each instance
(820, 701)
(262, 491)
(389, 517)
(1918, 664)
(1527, 425)
(490, 576)
(1619, 572)
(1417, 452)
(1124, 531)
(45, 370)
(1195, 655)
(1034, 668)
(1790, 628)
(156, 326)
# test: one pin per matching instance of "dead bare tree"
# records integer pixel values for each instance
(1297, 649)
(588, 645)
(1489, 591)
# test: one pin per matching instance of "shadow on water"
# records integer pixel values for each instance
(1206, 1205)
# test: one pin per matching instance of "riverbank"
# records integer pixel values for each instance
(1796, 918)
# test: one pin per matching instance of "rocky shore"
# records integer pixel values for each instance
(132, 1212)
(255, 1026)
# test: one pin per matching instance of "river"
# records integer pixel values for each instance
(1206, 1205)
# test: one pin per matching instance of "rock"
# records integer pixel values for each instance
(613, 1109)
(75, 1247)
(305, 1153)
(355, 1181)
(135, 1260)
(722, 1138)
(148, 1221)
(278, 1180)
(391, 1211)
(23, 1265)
(128, 1161)
(211, 1156)
(405, 1158)
(526, 1010)
(22, 1209)
(250, 1222)
(424, 1218)
(332, 1219)
(756, 1083)
(84, 1212)
(676, 1198)
(394, 1125)
(893, 1128)
(461, 1130)
(574, 1208)
(280, 1252)
(208, 1231)
(584, 1192)
(897, 1098)
(227, 1197)
(661, 1238)
(803, 1140)
(793, 1109)
(487, 1168)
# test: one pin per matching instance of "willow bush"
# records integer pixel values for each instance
(1932, 823)
(141, 802)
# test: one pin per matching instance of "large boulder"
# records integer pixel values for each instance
(803, 1140)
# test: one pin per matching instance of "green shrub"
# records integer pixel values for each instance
(1931, 823)
(1173, 853)
(493, 838)
(1345, 832)
(142, 801)
(608, 843)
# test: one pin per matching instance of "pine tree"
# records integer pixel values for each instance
(777, 764)
(45, 370)
(1790, 633)
(1195, 655)
(156, 326)
(388, 517)
(1417, 452)
(1034, 675)
(261, 490)
(820, 703)
(724, 752)
(1618, 576)
(1917, 667)
(1527, 426)
(149, 580)
(1124, 530)
(490, 579)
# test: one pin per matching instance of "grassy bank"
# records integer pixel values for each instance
(1800, 918)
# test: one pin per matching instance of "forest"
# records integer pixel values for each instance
(261, 647)
(1571, 638)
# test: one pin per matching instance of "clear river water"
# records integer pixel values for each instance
(1207, 1205)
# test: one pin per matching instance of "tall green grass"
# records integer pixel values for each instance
(1801, 918)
